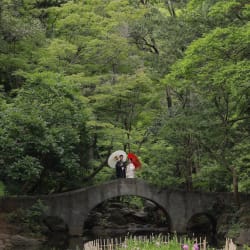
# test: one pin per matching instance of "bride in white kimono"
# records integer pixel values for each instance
(130, 170)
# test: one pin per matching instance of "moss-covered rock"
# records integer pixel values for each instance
(235, 223)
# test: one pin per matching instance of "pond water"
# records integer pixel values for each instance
(57, 243)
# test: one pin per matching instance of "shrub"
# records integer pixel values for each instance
(30, 220)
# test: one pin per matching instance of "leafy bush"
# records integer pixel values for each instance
(43, 130)
(30, 220)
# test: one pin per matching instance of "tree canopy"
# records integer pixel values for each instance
(167, 80)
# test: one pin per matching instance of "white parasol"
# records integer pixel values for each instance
(114, 157)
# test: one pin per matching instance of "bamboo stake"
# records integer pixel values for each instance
(112, 243)
(204, 244)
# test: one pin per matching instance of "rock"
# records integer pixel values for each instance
(94, 218)
(4, 236)
(223, 223)
(116, 205)
(55, 224)
(140, 217)
(5, 241)
(245, 207)
(243, 238)
(21, 241)
(141, 214)
(244, 214)
(150, 205)
(118, 217)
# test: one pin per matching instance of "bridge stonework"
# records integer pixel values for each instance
(74, 206)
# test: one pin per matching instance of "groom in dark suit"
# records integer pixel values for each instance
(120, 167)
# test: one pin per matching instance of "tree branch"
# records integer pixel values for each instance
(239, 119)
(100, 167)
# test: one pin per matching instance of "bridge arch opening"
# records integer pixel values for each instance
(202, 224)
(127, 214)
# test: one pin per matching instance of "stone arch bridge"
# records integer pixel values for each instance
(74, 206)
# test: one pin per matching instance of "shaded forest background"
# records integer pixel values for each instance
(165, 79)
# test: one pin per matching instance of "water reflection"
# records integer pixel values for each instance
(62, 242)
(55, 242)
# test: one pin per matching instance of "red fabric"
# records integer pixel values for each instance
(134, 160)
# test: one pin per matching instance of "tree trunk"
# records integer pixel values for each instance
(169, 100)
(170, 8)
(235, 187)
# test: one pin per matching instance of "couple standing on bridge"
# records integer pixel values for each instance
(124, 164)
(124, 169)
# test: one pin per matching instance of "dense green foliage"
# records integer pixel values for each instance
(168, 80)
(30, 220)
